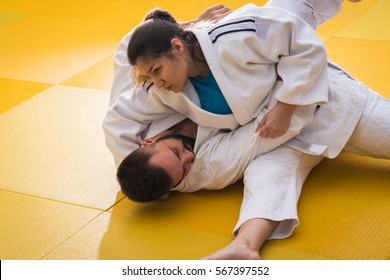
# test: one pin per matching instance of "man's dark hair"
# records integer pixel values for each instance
(141, 181)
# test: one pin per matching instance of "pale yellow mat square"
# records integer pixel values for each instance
(54, 148)
(113, 236)
(31, 227)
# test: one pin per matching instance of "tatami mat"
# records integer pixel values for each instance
(367, 60)
(372, 25)
(14, 92)
(58, 194)
(34, 45)
(31, 227)
(54, 148)
(98, 76)
(119, 237)
(344, 210)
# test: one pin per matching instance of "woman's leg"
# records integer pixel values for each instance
(371, 136)
(248, 242)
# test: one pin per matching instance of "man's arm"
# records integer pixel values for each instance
(213, 14)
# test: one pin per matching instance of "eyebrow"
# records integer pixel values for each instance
(151, 67)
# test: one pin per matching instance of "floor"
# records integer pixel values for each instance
(58, 195)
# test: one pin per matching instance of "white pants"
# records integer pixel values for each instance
(273, 181)
(272, 186)
(314, 12)
(371, 136)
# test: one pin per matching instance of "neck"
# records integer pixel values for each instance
(199, 66)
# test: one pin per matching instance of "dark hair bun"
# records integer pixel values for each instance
(161, 15)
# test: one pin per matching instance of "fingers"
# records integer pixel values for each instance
(220, 7)
(218, 12)
(261, 124)
(267, 131)
(264, 129)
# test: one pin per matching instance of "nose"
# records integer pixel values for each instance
(158, 82)
(187, 156)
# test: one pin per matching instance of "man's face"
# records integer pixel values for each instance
(174, 153)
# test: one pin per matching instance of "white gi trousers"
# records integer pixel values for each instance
(314, 12)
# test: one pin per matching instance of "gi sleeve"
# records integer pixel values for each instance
(133, 111)
(301, 60)
(130, 117)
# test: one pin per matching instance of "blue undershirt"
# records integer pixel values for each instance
(211, 97)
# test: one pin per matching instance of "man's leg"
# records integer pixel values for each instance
(314, 12)
(273, 183)
(371, 136)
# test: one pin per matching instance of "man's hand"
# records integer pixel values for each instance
(277, 121)
(213, 14)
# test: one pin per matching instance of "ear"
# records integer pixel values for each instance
(165, 196)
(177, 45)
(147, 141)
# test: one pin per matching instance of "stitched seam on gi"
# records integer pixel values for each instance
(250, 25)
(147, 85)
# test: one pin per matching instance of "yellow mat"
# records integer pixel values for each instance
(58, 194)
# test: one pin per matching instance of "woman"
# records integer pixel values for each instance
(280, 62)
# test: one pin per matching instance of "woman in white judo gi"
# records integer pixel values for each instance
(248, 53)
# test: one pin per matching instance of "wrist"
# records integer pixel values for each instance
(288, 108)
(186, 24)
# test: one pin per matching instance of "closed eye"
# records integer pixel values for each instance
(176, 152)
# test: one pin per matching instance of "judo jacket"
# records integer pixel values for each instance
(222, 157)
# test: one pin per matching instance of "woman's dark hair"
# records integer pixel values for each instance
(141, 181)
(153, 37)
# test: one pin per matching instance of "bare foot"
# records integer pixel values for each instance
(234, 251)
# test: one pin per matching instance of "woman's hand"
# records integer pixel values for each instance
(277, 121)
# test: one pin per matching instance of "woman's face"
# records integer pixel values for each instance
(168, 72)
